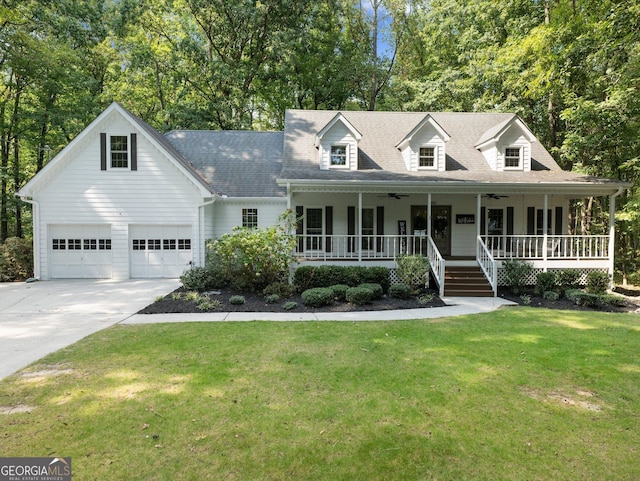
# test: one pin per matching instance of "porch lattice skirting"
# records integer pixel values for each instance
(531, 279)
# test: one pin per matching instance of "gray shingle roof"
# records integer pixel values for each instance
(380, 160)
(171, 150)
(235, 163)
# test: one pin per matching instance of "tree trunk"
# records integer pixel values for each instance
(16, 183)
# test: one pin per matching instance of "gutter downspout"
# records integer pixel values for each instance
(201, 246)
(612, 232)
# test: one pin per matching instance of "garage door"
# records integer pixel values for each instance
(80, 251)
(159, 250)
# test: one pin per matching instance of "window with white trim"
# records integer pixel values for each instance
(427, 158)
(250, 218)
(338, 156)
(119, 149)
(513, 158)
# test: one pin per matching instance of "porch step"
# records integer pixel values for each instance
(466, 281)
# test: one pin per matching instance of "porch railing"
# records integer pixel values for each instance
(487, 264)
(351, 247)
(548, 247)
(436, 262)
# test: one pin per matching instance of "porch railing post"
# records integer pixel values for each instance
(545, 232)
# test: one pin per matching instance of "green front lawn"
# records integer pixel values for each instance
(517, 394)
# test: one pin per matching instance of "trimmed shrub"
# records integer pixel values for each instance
(597, 282)
(272, 298)
(376, 289)
(582, 298)
(359, 295)
(282, 289)
(288, 306)
(237, 300)
(400, 291)
(376, 275)
(612, 300)
(567, 279)
(545, 282)
(317, 297)
(516, 273)
(203, 278)
(551, 295)
(308, 277)
(339, 291)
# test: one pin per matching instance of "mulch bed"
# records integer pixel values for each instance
(255, 302)
(631, 301)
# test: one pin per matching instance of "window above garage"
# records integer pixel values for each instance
(118, 151)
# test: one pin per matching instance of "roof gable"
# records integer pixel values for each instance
(495, 133)
(426, 121)
(153, 136)
(339, 118)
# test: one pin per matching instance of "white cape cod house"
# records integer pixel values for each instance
(468, 190)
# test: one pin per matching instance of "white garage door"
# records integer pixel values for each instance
(80, 251)
(159, 250)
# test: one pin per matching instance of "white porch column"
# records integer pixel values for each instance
(545, 224)
(612, 233)
(478, 215)
(428, 215)
(359, 216)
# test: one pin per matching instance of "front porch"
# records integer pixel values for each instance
(544, 252)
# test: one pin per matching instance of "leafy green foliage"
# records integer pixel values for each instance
(376, 289)
(237, 300)
(254, 258)
(413, 270)
(545, 282)
(597, 282)
(282, 289)
(16, 259)
(307, 277)
(516, 273)
(339, 291)
(204, 278)
(317, 297)
(400, 291)
(359, 295)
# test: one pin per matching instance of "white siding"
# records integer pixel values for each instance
(227, 213)
(428, 136)
(338, 135)
(80, 193)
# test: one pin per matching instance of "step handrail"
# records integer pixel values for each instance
(436, 263)
(488, 265)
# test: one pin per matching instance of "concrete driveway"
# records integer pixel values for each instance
(41, 317)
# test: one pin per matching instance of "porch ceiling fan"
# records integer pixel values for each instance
(393, 195)
(496, 196)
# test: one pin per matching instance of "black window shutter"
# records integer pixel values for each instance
(483, 221)
(328, 213)
(509, 226)
(351, 228)
(531, 220)
(300, 227)
(380, 228)
(103, 151)
(134, 151)
(558, 226)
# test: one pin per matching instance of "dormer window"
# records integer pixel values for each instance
(513, 158)
(119, 148)
(338, 156)
(427, 158)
